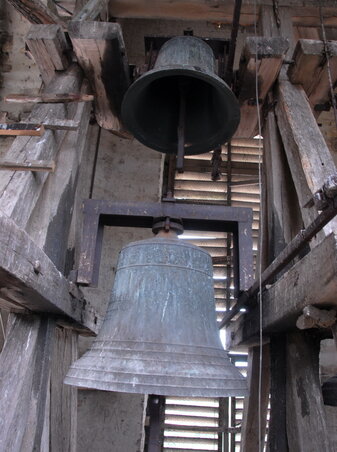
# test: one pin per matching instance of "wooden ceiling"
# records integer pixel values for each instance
(305, 13)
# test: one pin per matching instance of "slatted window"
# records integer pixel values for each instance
(193, 424)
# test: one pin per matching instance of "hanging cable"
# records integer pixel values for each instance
(327, 56)
(261, 443)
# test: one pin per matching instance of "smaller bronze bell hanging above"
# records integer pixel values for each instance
(183, 78)
(159, 335)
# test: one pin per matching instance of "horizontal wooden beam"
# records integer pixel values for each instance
(91, 10)
(22, 129)
(36, 12)
(33, 282)
(33, 165)
(218, 11)
(310, 69)
(311, 281)
(47, 98)
(261, 58)
(100, 50)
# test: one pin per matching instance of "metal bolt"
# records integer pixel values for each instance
(37, 267)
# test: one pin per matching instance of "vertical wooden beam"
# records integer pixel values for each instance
(250, 441)
(306, 426)
(63, 398)
(282, 215)
(24, 382)
(43, 206)
(308, 155)
(277, 433)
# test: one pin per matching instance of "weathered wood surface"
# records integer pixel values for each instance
(33, 281)
(36, 12)
(277, 429)
(264, 56)
(24, 382)
(282, 214)
(310, 69)
(63, 398)
(316, 318)
(218, 12)
(90, 11)
(22, 129)
(19, 191)
(250, 441)
(60, 124)
(49, 48)
(100, 51)
(308, 155)
(306, 425)
(34, 165)
(48, 98)
(285, 300)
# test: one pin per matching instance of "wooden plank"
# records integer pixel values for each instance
(308, 155)
(22, 129)
(90, 11)
(32, 279)
(250, 441)
(264, 56)
(282, 213)
(24, 382)
(60, 124)
(284, 301)
(34, 165)
(217, 12)
(36, 12)
(100, 51)
(311, 71)
(277, 429)
(48, 98)
(49, 49)
(63, 398)
(306, 424)
(20, 191)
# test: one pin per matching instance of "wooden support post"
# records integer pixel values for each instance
(43, 207)
(277, 432)
(264, 55)
(49, 47)
(282, 213)
(250, 441)
(306, 426)
(309, 158)
(63, 398)
(24, 383)
(100, 51)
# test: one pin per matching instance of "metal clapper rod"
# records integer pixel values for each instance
(181, 127)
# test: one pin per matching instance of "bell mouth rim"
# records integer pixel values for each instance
(128, 115)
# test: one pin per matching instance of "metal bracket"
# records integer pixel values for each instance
(100, 213)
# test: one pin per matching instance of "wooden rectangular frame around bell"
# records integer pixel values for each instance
(100, 213)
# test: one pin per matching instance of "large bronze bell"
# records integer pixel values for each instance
(160, 335)
(150, 109)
